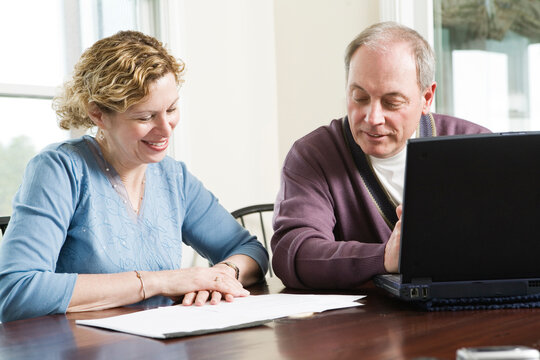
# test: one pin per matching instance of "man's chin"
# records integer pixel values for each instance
(378, 151)
(379, 155)
(381, 150)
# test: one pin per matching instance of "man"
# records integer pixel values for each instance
(337, 215)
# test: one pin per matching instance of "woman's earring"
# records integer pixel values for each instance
(100, 135)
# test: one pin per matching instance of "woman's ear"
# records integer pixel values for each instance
(95, 114)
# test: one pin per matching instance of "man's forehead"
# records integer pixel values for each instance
(388, 55)
(388, 45)
(390, 93)
(387, 70)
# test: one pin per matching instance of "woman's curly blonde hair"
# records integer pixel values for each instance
(114, 73)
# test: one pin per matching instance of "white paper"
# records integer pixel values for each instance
(178, 320)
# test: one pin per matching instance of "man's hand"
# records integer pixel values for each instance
(391, 251)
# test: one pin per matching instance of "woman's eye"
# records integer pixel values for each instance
(146, 118)
(171, 110)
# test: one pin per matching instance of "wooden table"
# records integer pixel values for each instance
(383, 328)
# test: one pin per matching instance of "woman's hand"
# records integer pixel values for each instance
(249, 273)
(197, 285)
(200, 297)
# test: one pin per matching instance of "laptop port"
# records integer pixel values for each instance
(414, 292)
(425, 292)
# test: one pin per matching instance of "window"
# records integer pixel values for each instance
(42, 41)
(487, 55)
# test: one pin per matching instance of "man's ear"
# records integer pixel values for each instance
(428, 97)
(95, 114)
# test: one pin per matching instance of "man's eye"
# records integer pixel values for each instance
(361, 99)
(393, 104)
(359, 96)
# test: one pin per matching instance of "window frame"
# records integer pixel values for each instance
(416, 14)
(153, 18)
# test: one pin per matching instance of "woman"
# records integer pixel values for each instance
(99, 222)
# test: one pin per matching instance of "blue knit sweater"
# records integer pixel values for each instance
(72, 216)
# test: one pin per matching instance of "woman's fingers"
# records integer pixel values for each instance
(189, 298)
(201, 297)
(215, 298)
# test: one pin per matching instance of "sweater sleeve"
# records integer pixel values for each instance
(305, 251)
(212, 231)
(42, 210)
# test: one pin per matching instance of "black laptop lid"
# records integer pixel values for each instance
(471, 208)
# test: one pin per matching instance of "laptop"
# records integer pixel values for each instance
(471, 210)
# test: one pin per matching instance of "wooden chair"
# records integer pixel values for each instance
(257, 219)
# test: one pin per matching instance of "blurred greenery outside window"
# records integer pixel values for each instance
(42, 41)
(488, 53)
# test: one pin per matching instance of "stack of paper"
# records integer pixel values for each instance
(177, 321)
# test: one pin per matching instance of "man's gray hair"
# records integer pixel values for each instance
(384, 34)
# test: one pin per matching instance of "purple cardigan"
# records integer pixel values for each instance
(328, 233)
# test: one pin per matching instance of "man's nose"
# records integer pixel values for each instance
(374, 115)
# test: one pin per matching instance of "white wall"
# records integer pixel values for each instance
(229, 99)
(260, 74)
(311, 37)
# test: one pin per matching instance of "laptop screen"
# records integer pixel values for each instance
(470, 209)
